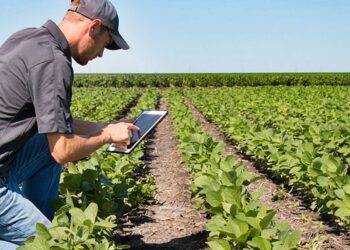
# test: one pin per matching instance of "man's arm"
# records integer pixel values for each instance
(87, 128)
(66, 148)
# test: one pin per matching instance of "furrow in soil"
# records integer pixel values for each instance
(171, 222)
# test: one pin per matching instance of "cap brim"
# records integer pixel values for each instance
(118, 42)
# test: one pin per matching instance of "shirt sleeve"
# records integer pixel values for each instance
(50, 87)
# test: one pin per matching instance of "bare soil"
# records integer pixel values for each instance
(171, 222)
(290, 209)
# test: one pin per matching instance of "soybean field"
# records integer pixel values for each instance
(242, 161)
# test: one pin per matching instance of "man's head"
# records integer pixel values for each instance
(91, 26)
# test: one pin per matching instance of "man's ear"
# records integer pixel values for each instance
(75, 2)
(95, 26)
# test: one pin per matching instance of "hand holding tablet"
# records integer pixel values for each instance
(146, 121)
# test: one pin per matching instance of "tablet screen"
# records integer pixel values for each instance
(146, 122)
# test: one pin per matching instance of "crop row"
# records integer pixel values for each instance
(300, 134)
(94, 191)
(101, 104)
(204, 80)
(238, 220)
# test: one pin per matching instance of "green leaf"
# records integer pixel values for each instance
(281, 226)
(69, 200)
(78, 216)
(216, 223)
(123, 167)
(72, 182)
(43, 231)
(39, 243)
(57, 204)
(253, 221)
(346, 189)
(265, 222)
(309, 148)
(105, 224)
(293, 239)
(88, 179)
(72, 168)
(269, 233)
(295, 170)
(91, 212)
(306, 158)
(218, 150)
(260, 243)
(226, 179)
(61, 219)
(342, 212)
(84, 230)
(322, 181)
(203, 181)
(340, 193)
(219, 245)
(214, 199)
(228, 163)
(331, 164)
(60, 233)
(237, 227)
(198, 138)
(278, 245)
(227, 207)
(229, 195)
(118, 247)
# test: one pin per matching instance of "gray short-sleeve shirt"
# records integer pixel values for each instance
(35, 88)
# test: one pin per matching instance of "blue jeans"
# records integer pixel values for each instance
(22, 208)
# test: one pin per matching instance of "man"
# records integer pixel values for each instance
(37, 131)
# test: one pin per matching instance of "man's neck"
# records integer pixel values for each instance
(73, 31)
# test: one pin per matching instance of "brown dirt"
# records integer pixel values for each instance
(171, 222)
(290, 209)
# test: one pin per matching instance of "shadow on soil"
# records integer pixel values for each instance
(137, 217)
(191, 242)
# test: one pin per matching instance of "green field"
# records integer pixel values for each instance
(296, 126)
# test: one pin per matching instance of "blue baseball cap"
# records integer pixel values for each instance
(105, 11)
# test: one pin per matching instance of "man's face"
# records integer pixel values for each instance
(93, 44)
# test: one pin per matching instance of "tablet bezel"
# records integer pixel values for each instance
(163, 113)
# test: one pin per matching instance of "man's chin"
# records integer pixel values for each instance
(81, 61)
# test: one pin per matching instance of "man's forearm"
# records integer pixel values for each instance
(87, 128)
(65, 148)
(74, 147)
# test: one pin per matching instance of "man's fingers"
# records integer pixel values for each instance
(133, 127)
(121, 145)
(122, 133)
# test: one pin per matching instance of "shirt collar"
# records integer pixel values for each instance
(59, 37)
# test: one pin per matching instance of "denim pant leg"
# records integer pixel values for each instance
(4, 245)
(39, 174)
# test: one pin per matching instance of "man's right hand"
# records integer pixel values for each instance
(120, 134)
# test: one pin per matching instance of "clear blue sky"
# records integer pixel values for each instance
(212, 35)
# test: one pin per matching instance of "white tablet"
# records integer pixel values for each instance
(146, 121)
